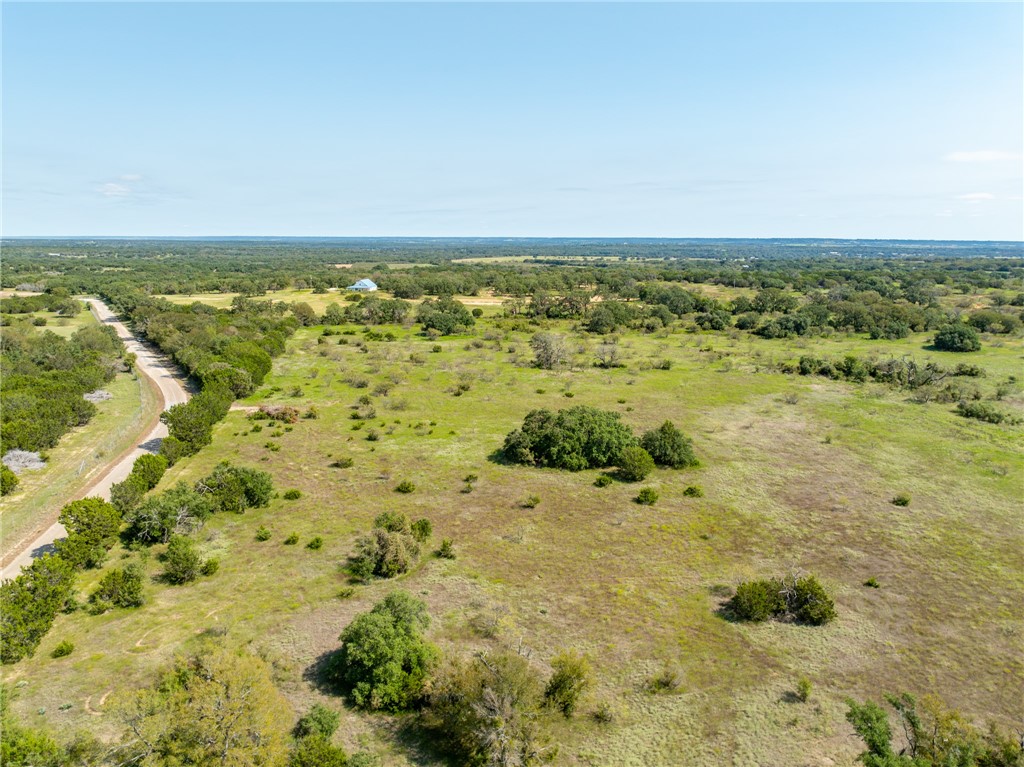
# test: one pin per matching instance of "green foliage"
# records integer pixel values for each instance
(149, 469)
(8, 480)
(803, 689)
(485, 711)
(603, 480)
(571, 676)
(178, 510)
(291, 540)
(182, 563)
(63, 648)
(127, 495)
(384, 554)
(421, 530)
(447, 549)
(317, 751)
(210, 567)
(578, 438)
(693, 491)
(635, 463)
(118, 588)
(236, 488)
(531, 502)
(262, 533)
(799, 598)
(384, 659)
(29, 604)
(669, 447)
(935, 736)
(957, 337)
(980, 411)
(45, 377)
(292, 495)
(405, 486)
(316, 543)
(445, 316)
(92, 525)
(872, 583)
(22, 746)
(901, 500)
(319, 720)
(647, 496)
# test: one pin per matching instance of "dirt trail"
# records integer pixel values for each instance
(159, 373)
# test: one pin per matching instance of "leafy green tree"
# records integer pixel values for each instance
(317, 751)
(177, 510)
(127, 495)
(550, 350)
(236, 488)
(758, 600)
(181, 560)
(22, 746)
(384, 659)
(320, 720)
(149, 469)
(219, 707)
(92, 525)
(29, 604)
(578, 438)
(669, 447)
(957, 337)
(635, 463)
(571, 677)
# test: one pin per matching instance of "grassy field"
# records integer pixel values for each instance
(797, 473)
(76, 460)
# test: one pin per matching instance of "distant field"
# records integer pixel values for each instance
(66, 326)
(75, 461)
(797, 473)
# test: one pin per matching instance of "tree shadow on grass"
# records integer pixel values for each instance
(320, 673)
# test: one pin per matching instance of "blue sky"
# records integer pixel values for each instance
(675, 120)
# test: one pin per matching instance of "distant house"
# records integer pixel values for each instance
(363, 285)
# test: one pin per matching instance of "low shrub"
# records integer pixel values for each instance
(571, 677)
(693, 491)
(210, 567)
(405, 486)
(181, 560)
(635, 463)
(447, 549)
(603, 481)
(530, 502)
(291, 540)
(803, 689)
(647, 496)
(292, 495)
(421, 530)
(315, 543)
(901, 500)
(262, 534)
(800, 599)
(63, 649)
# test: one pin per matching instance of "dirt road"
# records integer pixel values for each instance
(162, 375)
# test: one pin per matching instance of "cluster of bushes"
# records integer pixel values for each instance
(30, 602)
(957, 337)
(58, 300)
(801, 599)
(905, 373)
(932, 736)
(369, 310)
(146, 473)
(391, 547)
(982, 411)
(444, 316)
(8, 480)
(190, 424)
(583, 437)
(45, 377)
(183, 509)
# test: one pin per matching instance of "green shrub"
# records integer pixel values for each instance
(530, 502)
(292, 495)
(693, 491)
(803, 689)
(872, 583)
(570, 678)
(317, 751)
(62, 649)
(8, 480)
(315, 543)
(980, 411)
(262, 533)
(758, 600)
(149, 469)
(383, 554)
(29, 604)
(291, 540)
(669, 447)
(809, 603)
(957, 337)
(118, 588)
(210, 567)
(236, 488)
(421, 530)
(320, 721)
(405, 486)
(901, 500)
(447, 549)
(181, 560)
(603, 481)
(635, 463)
(647, 496)
(384, 659)
(92, 526)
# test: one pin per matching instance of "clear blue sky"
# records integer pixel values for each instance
(681, 120)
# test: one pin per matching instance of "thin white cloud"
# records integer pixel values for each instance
(976, 196)
(111, 189)
(982, 155)
(131, 177)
